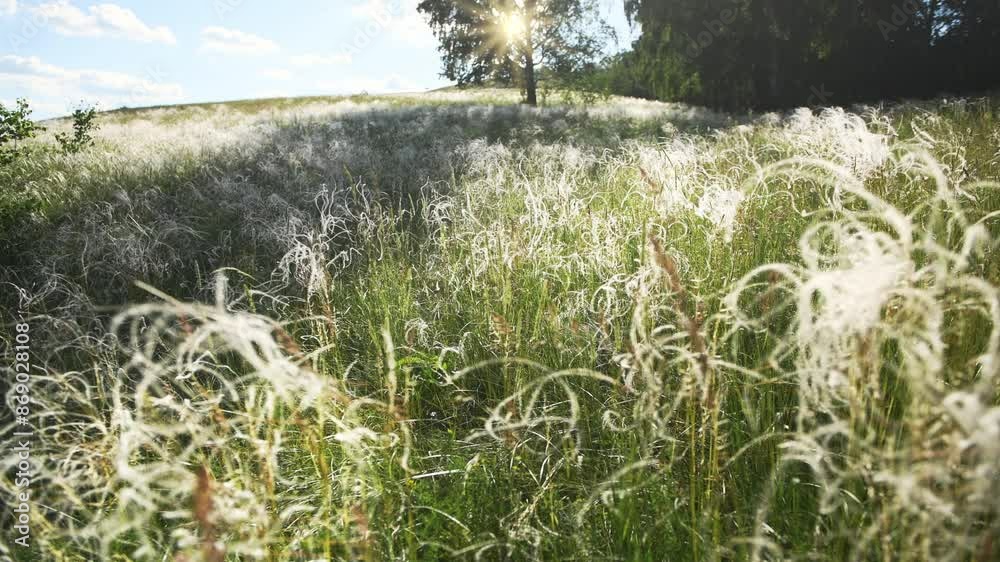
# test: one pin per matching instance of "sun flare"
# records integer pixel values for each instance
(513, 26)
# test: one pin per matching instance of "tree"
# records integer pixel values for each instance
(735, 54)
(516, 41)
(15, 128)
(84, 123)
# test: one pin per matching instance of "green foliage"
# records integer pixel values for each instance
(15, 128)
(768, 54)
(620, 75)
(511, 42)
(462, 256)
(84, 124)
(584, 89)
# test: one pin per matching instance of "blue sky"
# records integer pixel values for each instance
(58, 53)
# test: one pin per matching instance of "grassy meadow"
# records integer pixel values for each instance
(448, 326)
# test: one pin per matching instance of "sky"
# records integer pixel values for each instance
(60, 54)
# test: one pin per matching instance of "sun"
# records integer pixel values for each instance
(513, 26)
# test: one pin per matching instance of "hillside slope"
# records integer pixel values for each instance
(447, 325)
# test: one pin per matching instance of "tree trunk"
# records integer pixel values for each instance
(530, 83)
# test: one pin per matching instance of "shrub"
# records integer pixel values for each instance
(84, 123)
(15, 127)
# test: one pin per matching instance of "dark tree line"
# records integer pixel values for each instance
(778, 53)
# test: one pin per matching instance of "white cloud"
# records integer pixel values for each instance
(8, 7)
(109, 89)
(312, 59)
(41, 109)
(269, 94)
(397, 19)
(234, 42)
(355, 85)
(102, 20)
(275, 74)
(29, 66)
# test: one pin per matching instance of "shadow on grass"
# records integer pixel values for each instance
(103, 220)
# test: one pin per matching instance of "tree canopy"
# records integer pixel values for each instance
(767, 53)
(513, 41)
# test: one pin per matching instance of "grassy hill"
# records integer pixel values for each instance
(449, 326)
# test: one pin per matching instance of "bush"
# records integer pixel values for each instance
(84, 123)
(15, 127)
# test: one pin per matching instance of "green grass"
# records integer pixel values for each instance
(480, 298)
